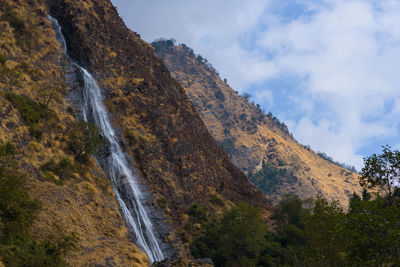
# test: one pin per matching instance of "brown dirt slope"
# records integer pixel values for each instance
(31, 65)
(181, 164)
(251, 137)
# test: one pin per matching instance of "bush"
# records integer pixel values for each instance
(220, 96)
(228, 145)
(85, 140)
(3, 59)
(234, 240)
(18, 211)
(198, 212)
(215, 200)
(15, 21)
(24, 30)
(30, 111)
(243, 116)
(23, 250)
(63, 169)
(270, 176)
(34, 114)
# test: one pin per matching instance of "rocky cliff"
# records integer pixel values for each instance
(82, 202)
(257, 142)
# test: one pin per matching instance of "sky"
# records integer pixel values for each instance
(330, 70)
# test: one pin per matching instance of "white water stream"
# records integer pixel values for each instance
(123, 180)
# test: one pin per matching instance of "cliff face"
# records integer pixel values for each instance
(179, 161)
(83, 202)
(257, 143)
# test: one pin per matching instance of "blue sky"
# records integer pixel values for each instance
(328, 69)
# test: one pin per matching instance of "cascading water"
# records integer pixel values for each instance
(123, 180)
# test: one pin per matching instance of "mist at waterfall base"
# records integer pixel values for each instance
(115, 165)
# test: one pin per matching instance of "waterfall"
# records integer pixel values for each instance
(116, 165)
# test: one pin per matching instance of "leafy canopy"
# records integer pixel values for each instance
(382, 171)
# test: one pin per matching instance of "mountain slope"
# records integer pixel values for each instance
(257, 143)
(160, 129)
(81, 202)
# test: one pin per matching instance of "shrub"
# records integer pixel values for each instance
(236, 239)
(3, 59)
(198, 212)
(15, 21)
(63, 169)
(219, 95)
(85, 140)
(243, 116)
(18, 211)
(32, 113)
(246, 96)
(228, 145)
(215, 200)
(270, 176)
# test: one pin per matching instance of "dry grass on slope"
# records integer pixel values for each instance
(31, 66)
(251, 137)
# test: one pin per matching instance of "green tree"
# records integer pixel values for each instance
(354, 203)
(236, 239)
(372, 234)
(382, 171)
(324, 232)
(290, 211)
(18, 211)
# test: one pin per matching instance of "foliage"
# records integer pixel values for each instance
(15, 21)
(63, 169)
(34, 114)
(17, 209)
(17, 213)
(324, 234)
(24, 29)
(3, 59)
(243, 116)
(289, 211)
(372, 233)
(199, 212)
(382, 171)
(331, 160)
(270, 176)
(246, 96)
(220, 95)
(308, 233)
(215, 200)
(85, 140)
(162, 45)
(236, 239)
(228, 145)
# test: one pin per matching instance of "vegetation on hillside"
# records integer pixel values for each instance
(35, 115)
(250, 135)
(269, 177)
(18, 211)
(85, 140)
(313, 232)
(343, 165)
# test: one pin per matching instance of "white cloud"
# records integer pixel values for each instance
(265, 96)
(347, 55)
(215, 29)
